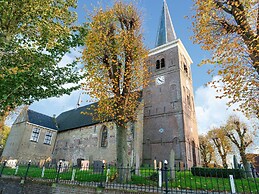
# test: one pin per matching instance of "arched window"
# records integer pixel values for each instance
(157, 64)
(185, 68)
(104, 135)
(162, 63)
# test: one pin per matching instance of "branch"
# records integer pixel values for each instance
(230, 28)
(221, 5)
(248, 143)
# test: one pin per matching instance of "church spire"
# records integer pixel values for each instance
(166, 31)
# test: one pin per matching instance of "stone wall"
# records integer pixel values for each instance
(36, 151)
(19, 145)
(85, 143)
(14, 186)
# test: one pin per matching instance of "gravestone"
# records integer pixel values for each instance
(171, 164)
(11, 163)
(98, 166)
(84, 165)
(53, 162)
(91, 158)
(79, 162)
(64, 166)
(137, 170)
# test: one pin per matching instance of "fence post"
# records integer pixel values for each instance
(73, 174)
(27, 170)
(108, 173)
(166, 178)
(16, 170)
(59, 167)
(4, 163)
(160, 175)
(43, 171)
(232, 184)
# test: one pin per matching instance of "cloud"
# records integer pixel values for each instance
(212, 111)
(58, 105)
(70, 57)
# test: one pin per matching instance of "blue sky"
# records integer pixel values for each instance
(209, 110)
(151, 11)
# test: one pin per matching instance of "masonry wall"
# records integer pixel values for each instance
(13, 186)
(15, 137)
(35, 151)
(163, 108)
(85, 143)
(189, 116)
(13, 142)
(19, 145)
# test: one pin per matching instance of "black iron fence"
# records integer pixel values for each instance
(147, 178)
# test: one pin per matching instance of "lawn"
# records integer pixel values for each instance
(145, 177)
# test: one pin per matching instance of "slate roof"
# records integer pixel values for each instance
(74, 119)
(41, 119)
(166, 32)
(70, 119)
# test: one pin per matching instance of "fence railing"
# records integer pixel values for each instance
(164, 180)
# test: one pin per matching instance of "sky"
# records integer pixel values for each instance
(210, 111)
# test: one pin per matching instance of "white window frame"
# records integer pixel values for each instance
(48, 137)
(35, 134)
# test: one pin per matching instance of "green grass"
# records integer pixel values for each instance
(183, 179)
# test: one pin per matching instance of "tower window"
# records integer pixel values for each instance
(185, 69)
(157, 64)
(160, 64)
(104, 135)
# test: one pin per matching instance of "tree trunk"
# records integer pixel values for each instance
(122, 153)
(246, 165)
(224, 161)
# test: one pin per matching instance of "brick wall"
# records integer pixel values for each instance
(14, 186)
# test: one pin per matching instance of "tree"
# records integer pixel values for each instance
(229, 29)
(34, 36)
(239, 135)
(206, 150)
(115, 68)
(4, 132)
(221, 143)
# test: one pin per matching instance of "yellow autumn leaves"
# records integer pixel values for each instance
(115, 62)
(228, 30)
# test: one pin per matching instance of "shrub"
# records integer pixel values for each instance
(218, 172)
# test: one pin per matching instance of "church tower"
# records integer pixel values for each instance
(169, 115)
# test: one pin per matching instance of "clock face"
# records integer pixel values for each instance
(160, 80)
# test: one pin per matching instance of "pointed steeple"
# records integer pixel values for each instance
(166, 31)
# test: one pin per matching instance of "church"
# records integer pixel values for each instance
(165, 126)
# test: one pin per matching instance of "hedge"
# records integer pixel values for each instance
(218, 172)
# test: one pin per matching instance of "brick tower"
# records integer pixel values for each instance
(169, 113)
